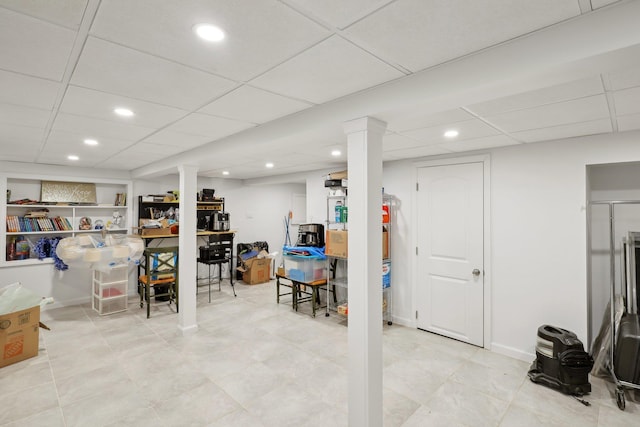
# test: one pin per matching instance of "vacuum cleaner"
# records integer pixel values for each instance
(561, 362)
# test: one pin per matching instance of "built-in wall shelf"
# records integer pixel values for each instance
(63, 219)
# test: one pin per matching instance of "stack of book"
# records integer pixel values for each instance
(17, 224)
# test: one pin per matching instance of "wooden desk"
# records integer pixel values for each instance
(200, 233)
(296, 291)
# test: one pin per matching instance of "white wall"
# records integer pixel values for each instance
(538, 226)
(66, 287)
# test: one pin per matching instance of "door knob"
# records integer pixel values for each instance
(475, 272)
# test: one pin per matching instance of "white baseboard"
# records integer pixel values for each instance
(512, 352)
(67, 303)
(403, 321)
(188, 330)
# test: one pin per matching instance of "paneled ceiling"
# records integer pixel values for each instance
(290, 72)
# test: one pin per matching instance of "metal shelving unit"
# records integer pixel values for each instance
(337, 281)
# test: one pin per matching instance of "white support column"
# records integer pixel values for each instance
(364, 146)
(187, 241)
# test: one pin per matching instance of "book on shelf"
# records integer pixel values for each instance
(11, 224)
(121, 199)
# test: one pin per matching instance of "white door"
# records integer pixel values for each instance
(450, 279)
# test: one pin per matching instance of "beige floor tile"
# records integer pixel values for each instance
(49, 418)
(465, 404)
(253, 362)
(202, 405)
(107, 406)
(17, 405)
(396, 408)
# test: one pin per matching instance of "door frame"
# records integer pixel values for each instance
(485, 159)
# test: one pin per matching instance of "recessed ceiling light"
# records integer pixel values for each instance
(268, 165)
(336, 153)
(73, 157)
(451, 133)
(209, 32)
(225, 172)
(91, 142)
(124, 112)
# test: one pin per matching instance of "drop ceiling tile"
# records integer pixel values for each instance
(393, 141)
(322, 151)
(23, 156)
(410, 153)
(210, 126)
(596, 4)
(257, 169)
(41, 93)
(561, 113)
(24, 116)
(63, 161)
(155, 149)
(23, 150)
(71, 140)
(67, 13)
(480, 143)
(627, 101)
(259, 34)
(321, 139)
(95, 128)
(418, 35)
(15, 136)
(100, 105)
(129, 160)
(116, 69)
(178, 139)
(549, 95)
(88, 156)
(329, 70)
(249, 104)
(295, 159)
(33, 47)
(225, 160)
(630, 122)
(624, 79)
(564, 131)
(468, 129)
(337, 13)
(405, 123)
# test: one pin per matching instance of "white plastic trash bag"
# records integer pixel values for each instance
(15, 297)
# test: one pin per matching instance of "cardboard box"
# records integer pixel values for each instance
(165, 230)
(336, 243)
(338, 175)
(19, 335)
(256, 270)
(156, 231)
(385, 244)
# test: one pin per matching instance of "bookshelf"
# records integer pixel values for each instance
(28, 223)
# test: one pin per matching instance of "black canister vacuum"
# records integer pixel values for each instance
(561, 362)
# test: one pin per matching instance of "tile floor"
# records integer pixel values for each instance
(256, 363)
